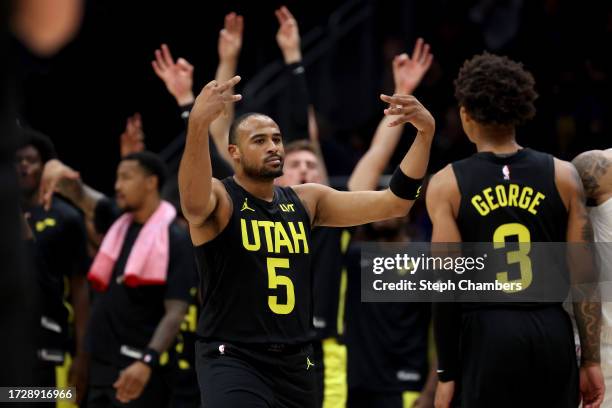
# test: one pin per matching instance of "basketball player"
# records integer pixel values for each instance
(595, 169)
(519, 355)
(252, 244)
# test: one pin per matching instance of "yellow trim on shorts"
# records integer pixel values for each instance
(345, 240)
(409, 398)
(61, 380)
(335, 387)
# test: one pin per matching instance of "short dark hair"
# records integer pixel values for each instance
(233, 130)
(152, 164)
(300, 145)
(41, 142)
(496, 90)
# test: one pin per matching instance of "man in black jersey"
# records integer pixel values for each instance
(508, 355)
(253, 245)
(60, 239)
(132, 324)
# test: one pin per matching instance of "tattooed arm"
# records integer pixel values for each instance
(585, 292)
(594, 168)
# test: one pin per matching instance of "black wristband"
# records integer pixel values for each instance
(446, 375)
(405, 187)
(296, 68)
(150, 357)
(186, 110)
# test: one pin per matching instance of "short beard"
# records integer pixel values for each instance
(262, 174)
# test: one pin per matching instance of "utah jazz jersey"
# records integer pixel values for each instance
(512, 195)
(256, 278)
(509, 199)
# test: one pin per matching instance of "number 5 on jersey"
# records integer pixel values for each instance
(274, 281)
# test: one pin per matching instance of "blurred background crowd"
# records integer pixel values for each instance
(82, 97)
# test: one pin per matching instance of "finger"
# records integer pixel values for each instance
(137, 120)
(398, 99)
(416, 53)
(424, 55)
(182, 62)
(428, 62)
(225, 35)
(287, 13)
(231, 98)
(399, 110)
(48, 196)
(212, 84)
(232, 23)
(156, 68)
(400, 60)
(160, 60)
(229, 84)
(167, 55)
(228, 21)
(239, 25)
(279, 16)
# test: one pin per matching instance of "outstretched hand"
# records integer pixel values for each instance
(178, 76)
(210, 103)
(230, 37)
(132, 138)
(408, 72)
(288, 36)
(409, 110)
(53, 174)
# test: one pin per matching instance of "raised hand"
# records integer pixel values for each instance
(288, 36)
(178, 76)
(210, 103)
(407, 71)
(409, 110)
(230, 37)
(132, 138)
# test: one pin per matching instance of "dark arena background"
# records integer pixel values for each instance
(131, 287)
(82, 96)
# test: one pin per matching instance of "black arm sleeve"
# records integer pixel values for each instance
(447, 330)
(292, 110)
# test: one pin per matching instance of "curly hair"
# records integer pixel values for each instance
(496, 90)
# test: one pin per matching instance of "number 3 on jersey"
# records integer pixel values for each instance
(274, 281)
(520, 256)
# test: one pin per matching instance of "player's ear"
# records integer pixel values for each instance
(234, 151)
(151, 182)
(465, 116)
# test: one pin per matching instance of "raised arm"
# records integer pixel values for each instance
(329, 207)
(230, 43)
(195, 170)
(407, 74)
